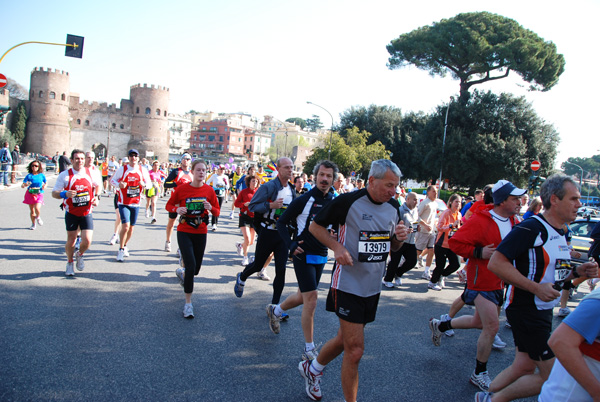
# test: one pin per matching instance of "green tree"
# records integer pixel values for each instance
(350, 152)
(387, 125)
(19, 123)
(314, 124)
(479, 47)
(7, 136)
(491, 137)
(297, 121)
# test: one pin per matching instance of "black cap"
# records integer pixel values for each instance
(133, 151)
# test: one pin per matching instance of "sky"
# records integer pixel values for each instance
(269, 57)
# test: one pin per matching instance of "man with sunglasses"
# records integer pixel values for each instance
(129, 180)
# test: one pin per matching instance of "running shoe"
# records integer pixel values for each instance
(238, 289)
(245, 261)
(483, 397)
(443, 318)
(214, 227)
(77, 242)
(434, 286)
(240, 250)
(188, 311)
(231, 215)
(563, 312)
(311, 381)
(168, 246)
(481, 380)
(498, 343)
(180, 272)
(442, 282)
(420, 261)
(69, 271)
(387, 284)
(120, 255)
(263, 275)
(462, 276)
(114, 239)
(426, 275)
(398, 281)
(284, 316)
(125, 252)
(153, 220)
(40, 221)
(436, 334)
(32, 227)
(273, 319)
(79, 263)
(310, 354)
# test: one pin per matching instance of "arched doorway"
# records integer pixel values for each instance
(100, 150)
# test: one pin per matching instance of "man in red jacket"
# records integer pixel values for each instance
(477, 240)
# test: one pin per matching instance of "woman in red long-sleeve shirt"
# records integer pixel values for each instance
(192, 202)
(246, 217)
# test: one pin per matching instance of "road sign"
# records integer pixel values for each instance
(535, 165)
(3, 81)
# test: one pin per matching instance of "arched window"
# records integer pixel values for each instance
(52, 95)
(147, 110)
(137, 110)
(41, 94)
(87, 122)
(165, 113)
(158, 112)
(79, 121)
(63, 97)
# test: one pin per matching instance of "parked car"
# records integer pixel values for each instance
(582, 229)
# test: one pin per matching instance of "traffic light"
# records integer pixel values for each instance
(539, 180)
(531, 182)
(77, 50)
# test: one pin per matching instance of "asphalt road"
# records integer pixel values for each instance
(115, 332)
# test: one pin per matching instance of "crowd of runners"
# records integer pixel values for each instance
(376, 232)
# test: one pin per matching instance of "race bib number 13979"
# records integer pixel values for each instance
(373, 246)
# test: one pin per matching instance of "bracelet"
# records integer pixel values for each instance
(63, 194)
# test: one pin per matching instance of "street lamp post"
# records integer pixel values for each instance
(580, 177)
(331, 134)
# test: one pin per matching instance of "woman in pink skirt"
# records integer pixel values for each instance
(35, 181)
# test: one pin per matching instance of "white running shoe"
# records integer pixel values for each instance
(436, 334)
(125, 251)
(231, 215)
(310, 354)
(274, 321)
(168, 246)
(120, 255)
(188, 311)
(263, 275)
(433, 286)
(69, 271)
(32, 227)
(40, 221)
(387, 284)
(420, 261)
(79, 263)
(563, 312)
(114, 239)
(498, 343)
(481, 380)
(442, 282)
(240, 250)
(426, 275)
(214, 227)
(443, 318)
(180, 272)
(312, 381)
(245, 261)
(398, 281)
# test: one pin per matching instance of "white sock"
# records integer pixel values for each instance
(316, 368)
(427, 269)
(278, 310)
(309, 346)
